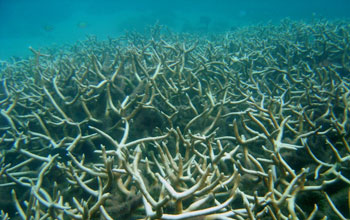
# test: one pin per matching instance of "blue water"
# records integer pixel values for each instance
(46, 23)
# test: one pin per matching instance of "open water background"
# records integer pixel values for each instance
(46, 23)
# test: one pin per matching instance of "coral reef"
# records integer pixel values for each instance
(248, 124)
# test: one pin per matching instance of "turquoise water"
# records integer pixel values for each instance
(45, 23)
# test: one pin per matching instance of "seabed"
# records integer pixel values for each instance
(247, 124)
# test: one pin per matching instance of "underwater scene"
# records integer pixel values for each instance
(196, 110)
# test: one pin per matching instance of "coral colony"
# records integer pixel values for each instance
(248, 124)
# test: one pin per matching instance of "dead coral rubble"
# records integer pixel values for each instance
(250, 124)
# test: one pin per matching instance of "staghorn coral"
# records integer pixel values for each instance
(241, 125)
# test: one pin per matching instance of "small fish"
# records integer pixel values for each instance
(82, 24)
(48, 27)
